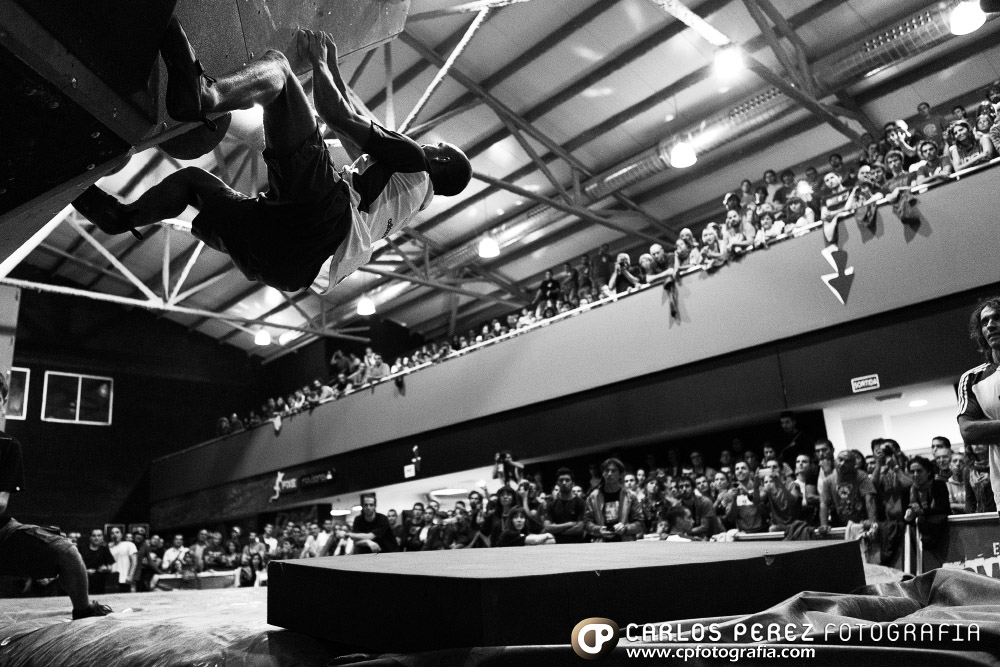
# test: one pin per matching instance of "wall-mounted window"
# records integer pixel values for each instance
(77, 399)
(17, 402)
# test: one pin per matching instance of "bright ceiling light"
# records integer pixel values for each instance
(262, 337)
(728, 61)
(288, 336)
(682, 155)
(669, 117)
(339, 512)
(919, 403)
(356, 508)
(967, 17)
(366, 306)
(489, 247)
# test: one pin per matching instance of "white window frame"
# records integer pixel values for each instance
(24, 403)
(79, 389)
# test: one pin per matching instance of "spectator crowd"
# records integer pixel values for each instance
(795, 485)
(887, 169)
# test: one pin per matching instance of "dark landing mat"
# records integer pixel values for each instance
(227, 628)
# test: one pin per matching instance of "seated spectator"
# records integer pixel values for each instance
(253, 419)
(771, 185)
(706, 522)
(172, 556)
(235, 423)
(837, 166)
(517, 534)
(897, 138)
(770, 229)
(805, 480)
(782, 498)
(847, 496)
(570, 283)
(339, 363)
(495, 520)
(929, 127)
(233, 555)
(685, 256)
(549, 290)
(744, 503)
(714, 252)
(323, 392)
(984, 122)
(928, 506)
(378, 370)
(688, 237)
(933, 166)
(97, 559)
(978, 491)
(956, 483)
(222, 427)
(250, 569)
(736, 238)
(622, 277)
(661, 264)
(564, 513)
(787, 188)
(679, 525)
(612, 512)
(967, 152)
(344, 386)
(645, 268)
(898, 179)
(872, 154)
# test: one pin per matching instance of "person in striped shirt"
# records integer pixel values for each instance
(979, 388)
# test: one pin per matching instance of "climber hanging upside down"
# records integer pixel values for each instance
(314, 226)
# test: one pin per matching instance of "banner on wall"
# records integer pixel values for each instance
(287, 485)
(972, 543)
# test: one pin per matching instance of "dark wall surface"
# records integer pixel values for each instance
(169, 387)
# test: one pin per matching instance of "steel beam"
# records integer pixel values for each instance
(584, 213)
(436, 285)
(446, 67)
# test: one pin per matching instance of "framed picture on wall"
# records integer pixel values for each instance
(17, 402)
(77, 399)
(109, 526)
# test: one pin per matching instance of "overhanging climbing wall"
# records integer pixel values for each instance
(82, 83)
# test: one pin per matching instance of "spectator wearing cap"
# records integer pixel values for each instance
(967, 151)
(612, 512)
(934, 166)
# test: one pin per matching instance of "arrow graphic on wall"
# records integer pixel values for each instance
(839, 282)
